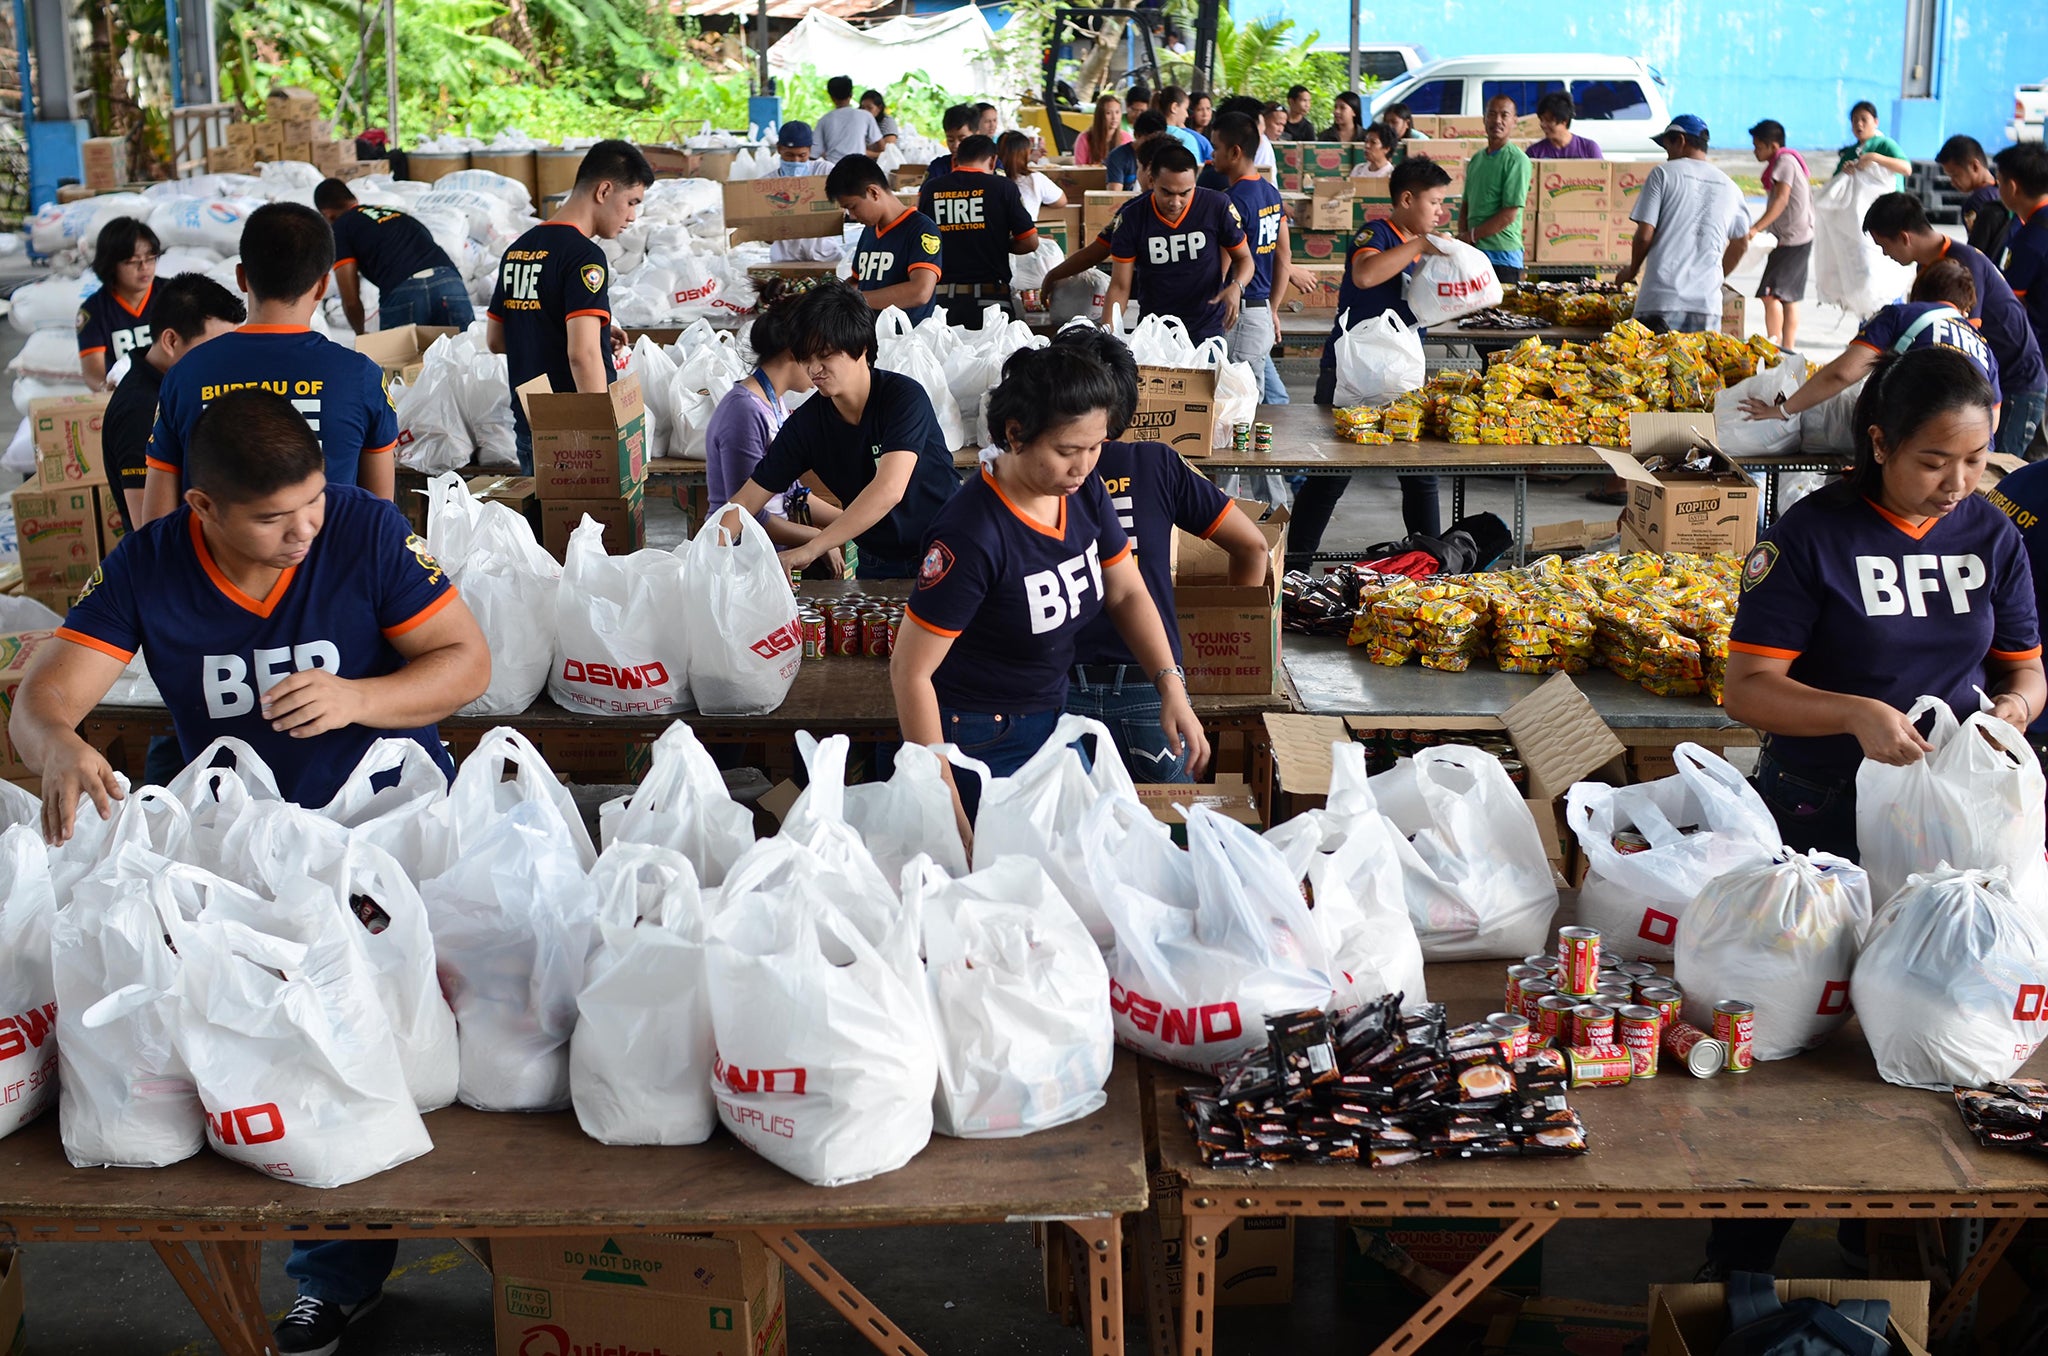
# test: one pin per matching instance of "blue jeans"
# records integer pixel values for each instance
(1119, 696)
(1003, 741)
(522, 437)
(2020, 419)
(440, 298)
(872, 566)
(346, 1271)
(1275, 390)
(1814, 812)
(1679, 322)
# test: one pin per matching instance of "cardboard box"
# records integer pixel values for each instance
(106, 163)
(269, 139)
(781, 209)
(1734, 312)
(624, 518)
(67, 433)
(231, 160)
(298, 129)
(1176, 406)
(680, 1294)
(1327, 159)
(590, 446)
(1254, 1255)
(1076, 180)
(1328, 277)
(1229, 796)
(112, 526)
(596, 755)
(1062, 225)
(1701, 511)
(1307, 246)
(1098, 207)
(327, 157)
(1573, 186)
(1449, 151)
(290, 102)
(1629, 176)
(59, 536)
(299, 152)
(13, 1304)
(1562, 1327)
(240, 136)
(401, 350)
(1383, 1260)
(1453, 128)
(1333, 204)
(16, 649)
(1229, 634)
(1692, 1320)
(1573, 238)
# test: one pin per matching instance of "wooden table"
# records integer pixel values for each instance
(1816, 1137)
(493, 1175)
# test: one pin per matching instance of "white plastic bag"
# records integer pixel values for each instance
(509, 583)
(620, 650)
(1194, 986)
(899, 349)
(1783, 936)
(482, 796)
(1741, 436)
(217, 797)
(1703, 823)
(1950, 986)
(741, 616)
(641, 1060)
(683, 804)
(1039, 811)
(1974, 803)
(432, 435)
(1378, 359)
(1020, 1000)
(28, 991)
(400, 818)
(1455, 281)
(1027, 271)
(1850, 271)
(1238, 387)
(1478, 883)
(911, 814)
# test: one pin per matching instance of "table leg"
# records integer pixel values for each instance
(1521, 519)
(1161, 1333)
(1457, 499)
(1464, 1287)
(1102, 1240)
(800, 1257)
(1199, 1231)
(1998, 1236)
(220, 1282)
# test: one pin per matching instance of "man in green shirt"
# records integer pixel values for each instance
(1872, 147)
(1496, 187)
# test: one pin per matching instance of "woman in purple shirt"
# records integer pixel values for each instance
(1554, 112)
(746, 422)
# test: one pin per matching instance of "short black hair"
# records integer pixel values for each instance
(2027, 166)
(116, 246)
(614, 162)
(1896, 214)
(957, 117)
(1862, 106)
(875, 96)
(1769, 130)
(1138, 95)
(832, 317)
(333, 196)
(1148, 150)
(1397, 110)
(1114, 354)
(1416, 174)
(1172, 158)
(185, 303)
(1235, 129)
(1946, 280)
(248, 444)
(983, 107)
(852, 176)
(1901, 394)
(1171, 95)
(1241, 103)
(1044, 388)
(1293, 90)
(975, 149)
(774, 331)
(1557, 106)
(1150, 123)
(1271, 106)
(287, 248)
(1961, 150)
(1381, 133)
(839, 87)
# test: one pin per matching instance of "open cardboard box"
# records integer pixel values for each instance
(1229, 633)
(1699, 511)
(1229, 795)
(587, 445)
(1692, 1320)
(781, 209)
(401, 351)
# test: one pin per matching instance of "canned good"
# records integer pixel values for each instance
(1667, 1002)
(1543, 960)
(1516, 1033)
(1598, 1066)
(1578, 960)
(1533, 991)
(874, 635)
(895, 630)
(844, 625)
(1592, 1025)
(1512, 998)
(1554, 1020)
(1628, 842)
(1517, 773)
(1735, 1028)
(1639, 1029)
(812, 625)
(1702, 1055)
(1615, 992)
(1637, 969)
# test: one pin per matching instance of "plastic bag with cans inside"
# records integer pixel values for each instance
(1952, 985)
(683, 804)
(392, 800)
(621, 648)
(509, 583)
(1020, 1000)
(1688, 831)
(28, 991)
(741, 617)
(900, 348)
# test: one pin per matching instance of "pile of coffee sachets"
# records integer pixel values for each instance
(1382, 1087)
(2008, 1115)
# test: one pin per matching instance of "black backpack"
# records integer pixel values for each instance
(1761, 1324)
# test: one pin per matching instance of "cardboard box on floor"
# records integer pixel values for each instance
(106, 163)
(67, 431)
(58, 533)
(401, 350)
(1229, 633)
(1562, 1327)
(781, 209)
(1229, 795)
(1254, 1255)
(587, 446)
(1692, 1320)
(1699, 511)
(1176, 406)
(16, 649)
(679, 1294)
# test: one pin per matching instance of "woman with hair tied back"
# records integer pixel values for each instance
(1016, 566)
(119, 319)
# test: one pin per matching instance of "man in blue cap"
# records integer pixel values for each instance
(793, 143)
(1691, 231)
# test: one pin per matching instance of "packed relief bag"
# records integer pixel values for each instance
(1974, 803)
(683, 804)
(509, 583)
(641, 1060)
(1688, 831)
(911, 814)
(218, 789)
(621, 648)
(1193, 986)
(1378, 359)
(392, 800)
(827, 1063)
(28, 991)
(1351, 860)
(1020, 1000)
(483, 794)
(1783, 936)
(1478, 883)
(741, 618)
(1457, 280)
(1950, 986)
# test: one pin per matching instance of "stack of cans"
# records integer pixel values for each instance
(1241, 437)
(851, 626)
(1262, 439)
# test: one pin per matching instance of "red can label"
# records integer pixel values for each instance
(1554, 1020)
(1511, 997)
(814, 637)
(1599, 1066)
(874, 635)
(1533, 991)
(1640, 1029)
(1578, 960)
(1668, 1003)
(1592, 1025)
(1735, 1028)
(845, 633)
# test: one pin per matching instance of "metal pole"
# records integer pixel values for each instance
(761, 34)
(1354, 47)
(21, 59)
(174, 30)
(391, 74)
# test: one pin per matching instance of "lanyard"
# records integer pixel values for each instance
(774, 400)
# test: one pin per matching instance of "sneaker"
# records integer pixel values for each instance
(313, 1327)
(1710, 1273)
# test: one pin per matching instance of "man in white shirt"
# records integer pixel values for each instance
(846, 130)
(793, 144)
(1691, 231)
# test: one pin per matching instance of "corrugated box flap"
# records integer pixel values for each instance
(1301, 750)
(1560, 736)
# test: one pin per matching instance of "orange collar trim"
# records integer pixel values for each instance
(227, 586)
(1057, 533)
(1916, 533)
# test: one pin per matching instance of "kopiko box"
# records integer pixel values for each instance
(1229, 633)
(1176, 406)
(1697, 499)
(16, 649)
(624, 518)
(67, 432)
(676, 1294)
(58, 532)
(782, 209)
(1573, 185)
(587, 446)
(401, 351)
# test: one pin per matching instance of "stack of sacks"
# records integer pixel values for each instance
(47, 312)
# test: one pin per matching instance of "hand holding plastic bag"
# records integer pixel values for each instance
(1456, 280)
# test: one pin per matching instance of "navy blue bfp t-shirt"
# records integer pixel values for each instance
(897, 418)
(1264, 217)
(979, 216)
(889, 256)
(2023, 498)
(551, 275)
(387, 246)
(1154, 491)
(107, 325)
(1355, 304)
(1179, 266)
(2003, 320)
(1948, 328)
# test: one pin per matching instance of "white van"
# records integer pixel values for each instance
(1622, 101)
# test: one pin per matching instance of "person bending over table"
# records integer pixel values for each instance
(1154, 492)
(870, 435)
(298, 615)
(1014, 570)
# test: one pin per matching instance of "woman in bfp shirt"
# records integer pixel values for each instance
(1015, 567)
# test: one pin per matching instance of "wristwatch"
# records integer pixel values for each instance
(1174, 669)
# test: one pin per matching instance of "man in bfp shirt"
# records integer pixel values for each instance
(2023, 188)
(190, 310)
(1185, 255)
(416, 282)
(551, 311)
(1259, 209)
(287, 250)
(896, 262)
(982, 222)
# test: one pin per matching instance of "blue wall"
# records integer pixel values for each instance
(1732, 63)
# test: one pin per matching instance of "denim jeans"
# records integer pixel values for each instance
(1679, 322)
(1120, 696)
(346, 1271)
(440, 298)
(872, 566)
(1274, 390)
(1251, 339)
(522, 437)
(1421, 499)
(1814, 813)
(1003, 741)
(2020, 419)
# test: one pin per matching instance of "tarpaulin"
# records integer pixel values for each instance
(951, 50)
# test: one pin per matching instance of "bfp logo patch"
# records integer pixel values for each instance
(937, 562)
(1757, 564)
(593, 277)
(418, 546)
